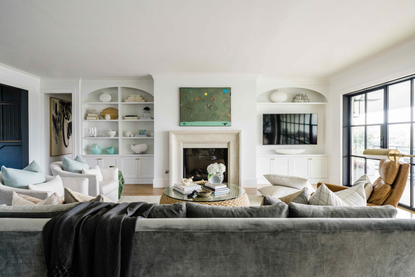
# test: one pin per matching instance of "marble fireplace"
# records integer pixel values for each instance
(181, 142)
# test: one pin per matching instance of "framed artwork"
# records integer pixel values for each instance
(205, 106)
(60, 127)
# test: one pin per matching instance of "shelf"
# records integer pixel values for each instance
(137, 155)
(100, 137)
(292, 103)
(137, 138)
(136, 120)
(100, 103)
(137, 103)
(118, 155)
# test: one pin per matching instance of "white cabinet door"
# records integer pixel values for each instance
(300, 167)
(130, 168)
(263, 167)
(108, 162)
(280, 166)
(92, 161)
(146, 168)
(317, 167)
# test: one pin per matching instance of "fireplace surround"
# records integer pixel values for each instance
(180, 140)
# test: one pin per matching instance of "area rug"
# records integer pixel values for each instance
(254, 200)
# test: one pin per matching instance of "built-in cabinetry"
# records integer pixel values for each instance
(313, 167)
(136, 168)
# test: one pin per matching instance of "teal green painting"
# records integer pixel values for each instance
(205, 106)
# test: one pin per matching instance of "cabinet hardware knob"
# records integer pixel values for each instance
(310, 159)
(137, 159)
(99, 159)
(272, 159)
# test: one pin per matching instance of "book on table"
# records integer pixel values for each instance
(217, 191)
(216, 186)
(186, 189)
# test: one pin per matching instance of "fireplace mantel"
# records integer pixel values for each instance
(178, 140)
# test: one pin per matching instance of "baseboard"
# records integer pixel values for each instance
(160, 183)
(138, 181)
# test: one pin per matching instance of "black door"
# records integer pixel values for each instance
(14, 127)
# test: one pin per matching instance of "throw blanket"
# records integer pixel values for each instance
(93, 239)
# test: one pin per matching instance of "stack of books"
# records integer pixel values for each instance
(217, 189)
(92, 116)
(135, 98)
(186, 189)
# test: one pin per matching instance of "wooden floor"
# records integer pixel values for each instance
(148, 190)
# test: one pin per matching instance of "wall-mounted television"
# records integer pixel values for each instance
(289, 129)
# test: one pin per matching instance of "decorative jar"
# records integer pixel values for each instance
(105, 97)
(110, 150)
(96, 149)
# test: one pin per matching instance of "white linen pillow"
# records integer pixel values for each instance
(289, 181)
(94, 171)
(354, 196)
(53, 199)
(277, 191)
(325, 197)
(364, 179)
(54, 185)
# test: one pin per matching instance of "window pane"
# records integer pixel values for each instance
(399, 138)
(372, 169)
(358, 110)
(373, 137)
(406, 196)
(358, 140)
(358, 168)
(375, 107)
(400, 102)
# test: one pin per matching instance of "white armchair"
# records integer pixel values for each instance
(107, 187)
(6, 192)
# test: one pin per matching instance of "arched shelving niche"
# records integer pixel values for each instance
(314, 96)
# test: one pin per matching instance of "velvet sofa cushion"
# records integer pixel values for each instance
(21, 178)
(301, 210)
(278, 210)
(176, 210)
(74, 166)
(35, 211)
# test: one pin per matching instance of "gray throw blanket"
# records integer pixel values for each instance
(93, 239)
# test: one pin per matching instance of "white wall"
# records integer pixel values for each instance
(167, 101)
(16, 78)
(390, 65)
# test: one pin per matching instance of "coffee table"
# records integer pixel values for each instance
(236, 197)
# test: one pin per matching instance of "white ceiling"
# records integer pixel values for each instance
(113, 38)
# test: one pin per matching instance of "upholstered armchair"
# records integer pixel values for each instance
(75, 184)
(388, 188)
(107, 187)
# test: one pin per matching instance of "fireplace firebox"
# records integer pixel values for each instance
(196, 161)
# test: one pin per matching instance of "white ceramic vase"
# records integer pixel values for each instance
(111, 133)
(278, 96)
(138, 148)
(105, 97)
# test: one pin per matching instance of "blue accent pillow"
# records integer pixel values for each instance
(74, 166)
(17, 178)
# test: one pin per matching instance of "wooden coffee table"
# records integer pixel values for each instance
(236, 197)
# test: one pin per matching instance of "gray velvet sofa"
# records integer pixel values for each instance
(240, 247)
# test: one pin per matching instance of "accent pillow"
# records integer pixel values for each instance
(277, 191)
(34, 211)
(31, 174)
(300, 210)
(279, 210)
(30, 198)
(53, 199)
(74, 166)
(381, 192)
(289, 181)
(176, 210)
(268, 200)
(354, 196)
(54, 185)
(300, 197)
(364, 179)
(325, 197)
(94, 171)
(75, 197)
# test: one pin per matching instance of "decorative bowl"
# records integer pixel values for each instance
(111, 133)
(289, 151)
(96, 149)
(105, 97)
(110, 150)
(138, 148)
(203, 193)
(278, 96)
